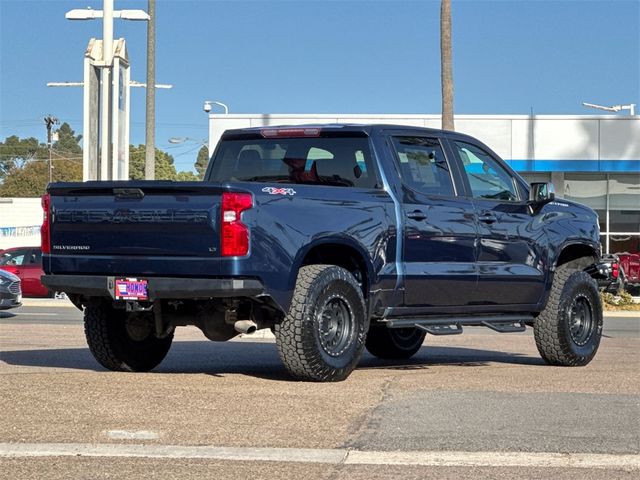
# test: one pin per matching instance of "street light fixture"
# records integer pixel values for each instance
(90, 14)
(614, 108)
(207, 106)
(179, 140)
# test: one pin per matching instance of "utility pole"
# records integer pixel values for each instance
(445, 65)
(150, 141)
(49, 121)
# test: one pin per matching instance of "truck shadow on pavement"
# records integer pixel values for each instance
(257, 359)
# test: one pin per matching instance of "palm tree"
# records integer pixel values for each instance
(445, 64)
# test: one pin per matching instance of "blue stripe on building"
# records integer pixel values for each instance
(629, 166)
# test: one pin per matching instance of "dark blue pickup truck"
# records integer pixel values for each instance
(337, 238)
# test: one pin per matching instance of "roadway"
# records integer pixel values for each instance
(470, 406)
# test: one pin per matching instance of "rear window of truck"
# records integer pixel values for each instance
(339, 161)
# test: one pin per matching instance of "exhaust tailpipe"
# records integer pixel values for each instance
(245, 326)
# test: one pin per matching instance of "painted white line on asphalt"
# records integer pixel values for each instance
(495, 459)
(329, 456)
(22, 314)
(47, 303)
(311, 455)
(125, 435)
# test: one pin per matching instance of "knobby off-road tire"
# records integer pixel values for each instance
(121, 347)
(568, 330)
(323, 335)
(394, 343)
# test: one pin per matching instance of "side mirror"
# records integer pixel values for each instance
(541, 193)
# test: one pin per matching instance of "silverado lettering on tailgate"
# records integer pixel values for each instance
(131, 216)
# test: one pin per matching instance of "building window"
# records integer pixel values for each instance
(591, 190)
(624, 213)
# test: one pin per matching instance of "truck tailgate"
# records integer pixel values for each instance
(97, 225)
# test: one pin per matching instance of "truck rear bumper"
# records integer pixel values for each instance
(159, 287)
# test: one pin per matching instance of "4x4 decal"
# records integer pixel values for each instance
(279, 191)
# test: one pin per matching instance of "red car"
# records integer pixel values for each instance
(630, 269)
(26, 263)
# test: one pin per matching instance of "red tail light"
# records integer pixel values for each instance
(234, 235)
(45, 230)
(615, 270)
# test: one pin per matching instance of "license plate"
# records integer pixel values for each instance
(131, 289)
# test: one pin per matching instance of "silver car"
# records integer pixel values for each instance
(10, 291)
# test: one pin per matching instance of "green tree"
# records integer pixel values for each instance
(68, 142)
(165, 169)
(31, 180)
(202, 161)
(187, 177)
(16, 152)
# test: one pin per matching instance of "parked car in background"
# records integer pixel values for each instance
(26, 263)
(629, 269)
(10, 292)
(607, 274)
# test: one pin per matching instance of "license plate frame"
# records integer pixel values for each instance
(131, 288)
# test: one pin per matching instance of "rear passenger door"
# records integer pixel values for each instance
(510, 264)
(439, 228)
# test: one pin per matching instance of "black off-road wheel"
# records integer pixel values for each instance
(323, 335)
(394, 343)
(568, 330)
(121, 341)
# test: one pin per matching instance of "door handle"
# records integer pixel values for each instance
(417, 215)
(487, 217)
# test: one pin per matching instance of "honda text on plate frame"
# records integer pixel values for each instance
(131, 289)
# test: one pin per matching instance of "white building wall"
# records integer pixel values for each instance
(513, 137)
(20, 220)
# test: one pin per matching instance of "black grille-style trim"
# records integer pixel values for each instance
(14, 288)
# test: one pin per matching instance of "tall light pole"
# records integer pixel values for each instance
(113, 159)
(106, 85)
(150, 140)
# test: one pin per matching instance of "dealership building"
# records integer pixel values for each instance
(592, 159)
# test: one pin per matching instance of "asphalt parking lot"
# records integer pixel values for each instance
(469, 406)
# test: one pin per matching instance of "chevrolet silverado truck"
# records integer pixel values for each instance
(337, 238)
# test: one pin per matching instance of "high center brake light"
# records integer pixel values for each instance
(45, 229)
(234, 235)
(289, 132)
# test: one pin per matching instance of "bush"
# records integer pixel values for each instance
(624, 301)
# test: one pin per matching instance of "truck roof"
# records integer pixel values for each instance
(366, 128)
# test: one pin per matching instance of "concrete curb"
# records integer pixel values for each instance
(46, 302)
(336, 456)
(623, 314)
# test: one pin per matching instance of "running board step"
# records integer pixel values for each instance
(441, 329)
(454, 325)
(506, 327)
